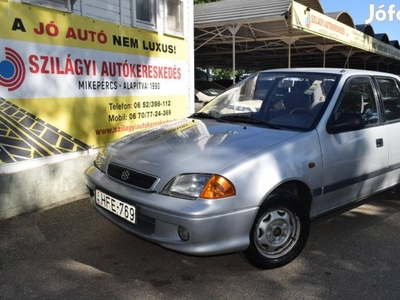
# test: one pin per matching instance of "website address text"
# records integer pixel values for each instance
(129, 128)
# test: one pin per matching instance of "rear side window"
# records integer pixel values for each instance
(390, 92)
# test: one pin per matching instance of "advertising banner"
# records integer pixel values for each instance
(70, 83)
(306, 19)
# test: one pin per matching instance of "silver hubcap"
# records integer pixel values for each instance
(277, 232)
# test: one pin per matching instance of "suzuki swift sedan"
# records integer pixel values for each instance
(249, 171)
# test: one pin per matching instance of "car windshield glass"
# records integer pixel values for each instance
(293, 100)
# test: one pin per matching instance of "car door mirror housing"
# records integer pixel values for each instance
(346, 122)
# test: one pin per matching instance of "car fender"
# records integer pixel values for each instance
(297, 159)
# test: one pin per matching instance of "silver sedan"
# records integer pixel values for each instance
(250, 170)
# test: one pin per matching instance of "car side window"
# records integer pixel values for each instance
(390, 93)
(358, 97)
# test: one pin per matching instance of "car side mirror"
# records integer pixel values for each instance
(346, 122)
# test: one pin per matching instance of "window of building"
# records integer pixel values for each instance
(63, 5)
(174, 18)
(146, 12)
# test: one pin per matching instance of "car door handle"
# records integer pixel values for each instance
(379, 143)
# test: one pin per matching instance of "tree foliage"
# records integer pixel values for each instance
(216, 73)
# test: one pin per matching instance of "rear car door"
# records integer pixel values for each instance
(354, 161)
(389, 89)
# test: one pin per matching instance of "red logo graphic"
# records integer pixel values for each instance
(12, 70)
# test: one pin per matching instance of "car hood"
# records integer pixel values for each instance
(192, 145)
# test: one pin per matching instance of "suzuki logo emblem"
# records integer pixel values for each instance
(125, 175)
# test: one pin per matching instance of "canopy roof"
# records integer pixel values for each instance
(264, 38)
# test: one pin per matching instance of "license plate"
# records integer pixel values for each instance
(122, 209)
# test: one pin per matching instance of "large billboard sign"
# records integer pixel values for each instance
(306, 19)
(69, 83)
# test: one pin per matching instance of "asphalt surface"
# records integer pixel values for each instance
(69, 251)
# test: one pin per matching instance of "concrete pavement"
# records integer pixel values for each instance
(69, 251)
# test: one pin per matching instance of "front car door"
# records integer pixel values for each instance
(355, 161)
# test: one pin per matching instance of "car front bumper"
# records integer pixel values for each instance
(214, 226)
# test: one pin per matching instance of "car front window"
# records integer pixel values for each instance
(358, 97)
(290, 100)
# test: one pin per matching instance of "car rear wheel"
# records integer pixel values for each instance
(279, 233)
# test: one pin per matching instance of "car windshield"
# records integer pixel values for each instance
(292, 100)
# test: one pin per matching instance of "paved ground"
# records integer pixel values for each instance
(71, 252)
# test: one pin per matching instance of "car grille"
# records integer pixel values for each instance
(131, 177)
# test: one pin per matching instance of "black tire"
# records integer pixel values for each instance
(279, 233)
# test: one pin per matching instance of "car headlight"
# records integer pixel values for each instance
(192, 186)
(100, 161)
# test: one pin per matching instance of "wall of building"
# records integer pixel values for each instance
(74, 78)
(33, 185)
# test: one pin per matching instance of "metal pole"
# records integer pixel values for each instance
(234, 55)
(233, 30)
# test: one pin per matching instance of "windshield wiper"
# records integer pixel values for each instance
(247, 119)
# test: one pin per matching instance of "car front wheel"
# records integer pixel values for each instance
(279, 232)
